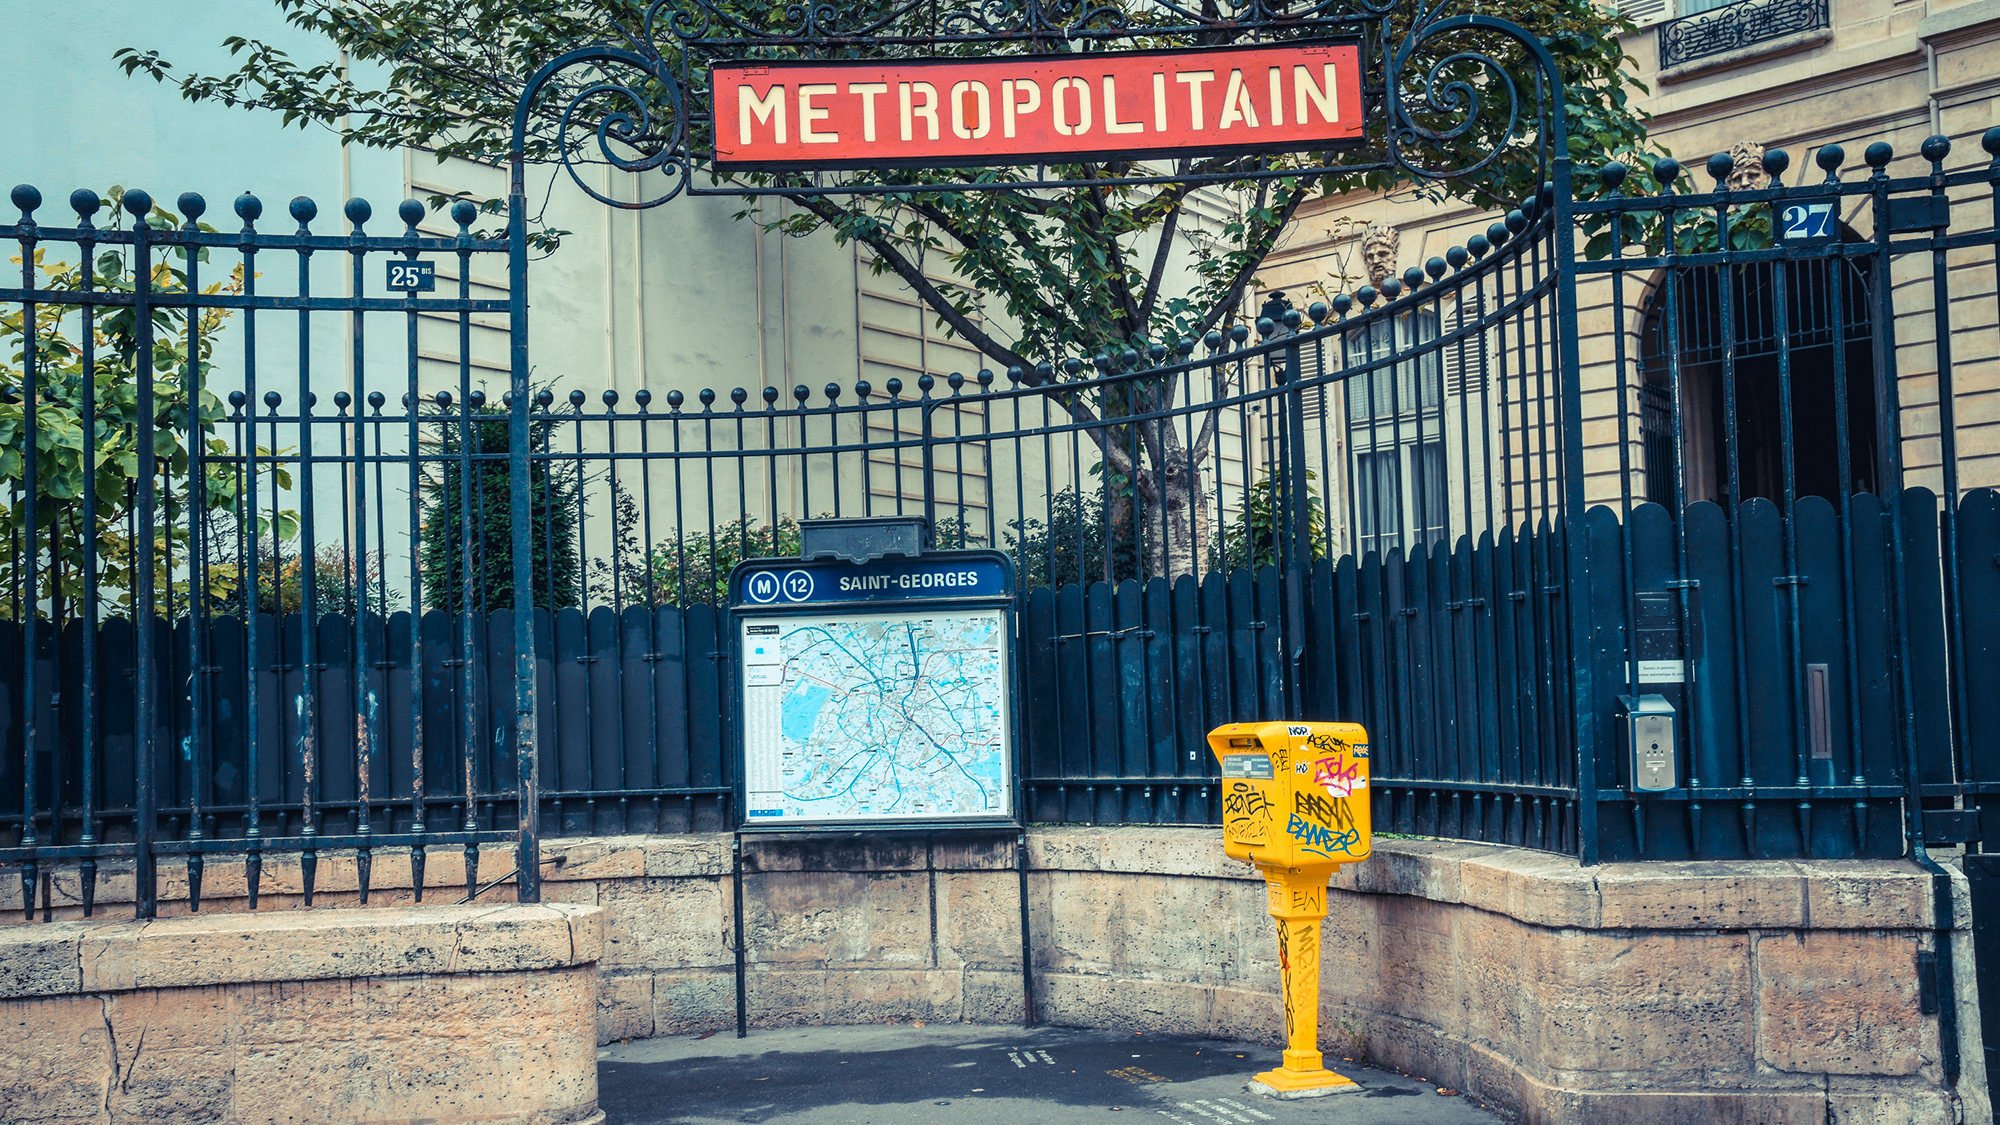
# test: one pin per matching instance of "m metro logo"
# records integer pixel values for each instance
(943, 112)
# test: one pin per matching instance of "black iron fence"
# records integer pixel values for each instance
(1807, 612)
(1370, 509)
(333, 593)
(200, 552)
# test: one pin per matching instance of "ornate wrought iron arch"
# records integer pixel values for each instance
(1441, 102)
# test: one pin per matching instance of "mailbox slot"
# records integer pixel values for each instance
(1247, 765)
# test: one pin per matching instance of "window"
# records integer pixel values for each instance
(1392, 391)
(1395, 425)
(1378, 516)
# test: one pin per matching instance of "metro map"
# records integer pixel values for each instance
(852, 716)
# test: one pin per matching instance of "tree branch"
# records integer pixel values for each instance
(1030, 302)
(1252, 261)
(926, 289)
(1175, 198)
(1120, 287)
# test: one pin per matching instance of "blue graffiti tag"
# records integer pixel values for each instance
(1321, 840)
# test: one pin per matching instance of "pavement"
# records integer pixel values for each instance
(960, 1074)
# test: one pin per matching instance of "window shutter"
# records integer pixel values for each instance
(1645, 13)
(1465, 361)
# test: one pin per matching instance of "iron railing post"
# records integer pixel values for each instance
(1576, 536)
(925, 411)
(145, 696)
(199, 749)
(1890, 436)
(87, 204)
(521, 529)
(1298, 581)
(27, 199)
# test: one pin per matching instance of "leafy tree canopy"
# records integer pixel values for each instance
(1082, 271)
(1078, 269)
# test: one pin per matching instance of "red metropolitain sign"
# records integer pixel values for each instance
(942, 112)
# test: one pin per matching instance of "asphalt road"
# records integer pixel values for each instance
(956, 1074)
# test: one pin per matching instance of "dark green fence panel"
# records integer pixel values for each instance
(1979, 570)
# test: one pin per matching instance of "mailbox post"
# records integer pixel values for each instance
(1295, 804)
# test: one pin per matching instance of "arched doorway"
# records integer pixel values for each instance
(1826, 339)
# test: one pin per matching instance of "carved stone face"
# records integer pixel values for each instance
(1379, 245)
(1748, 171)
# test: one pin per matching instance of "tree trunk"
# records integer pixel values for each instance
(1177, 532)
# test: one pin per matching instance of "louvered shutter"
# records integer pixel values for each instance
(1465, 360)
(1645, 13)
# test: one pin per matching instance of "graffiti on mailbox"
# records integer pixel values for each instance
(1321, 840)
(1298, 953)
(1320, 810)
(1339, 776)
(1335, 767)
(1243, 809)
(1321, 820)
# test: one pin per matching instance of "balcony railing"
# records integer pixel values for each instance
(1736, 26)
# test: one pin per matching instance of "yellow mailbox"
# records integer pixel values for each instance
(1295, 804)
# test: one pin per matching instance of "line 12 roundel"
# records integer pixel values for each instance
(798, 586)
(875, 717)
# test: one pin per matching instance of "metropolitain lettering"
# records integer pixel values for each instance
(935, 112)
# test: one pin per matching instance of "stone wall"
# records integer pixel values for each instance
(1771, 992)
(445, 1014)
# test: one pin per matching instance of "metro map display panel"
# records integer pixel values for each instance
(877, 717)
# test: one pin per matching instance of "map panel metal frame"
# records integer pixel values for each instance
(744, 608)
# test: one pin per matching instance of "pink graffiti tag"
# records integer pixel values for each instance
(1339, 776)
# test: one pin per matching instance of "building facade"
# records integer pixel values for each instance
(1740, 79)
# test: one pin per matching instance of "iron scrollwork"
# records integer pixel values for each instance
(632, 129)
(1447, 109)
(1736, 26)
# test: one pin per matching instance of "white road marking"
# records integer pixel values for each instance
(1016, 1059)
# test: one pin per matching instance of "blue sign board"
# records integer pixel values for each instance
(411, 277)
(875, 693)
(781, 583)
(1809, 222)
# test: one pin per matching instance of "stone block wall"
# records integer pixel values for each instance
(1771, 992)
(841, 930)
(446, 1014)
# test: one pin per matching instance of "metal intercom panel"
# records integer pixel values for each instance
(1650, 764)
